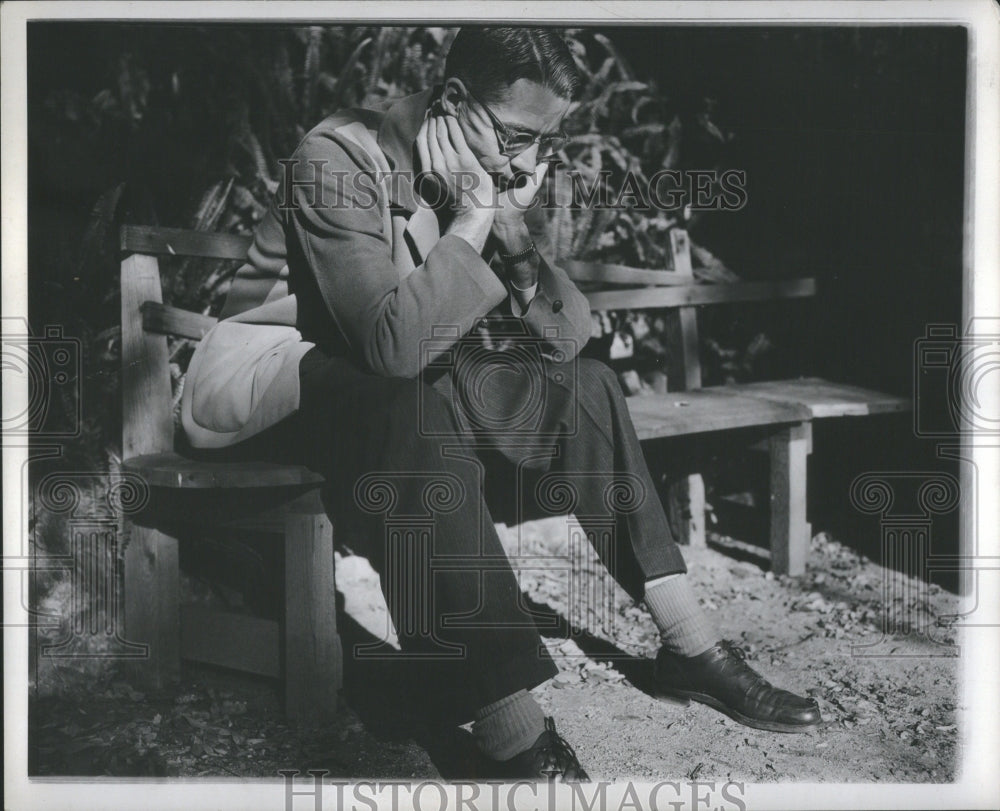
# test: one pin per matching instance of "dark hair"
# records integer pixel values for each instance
(489, 60)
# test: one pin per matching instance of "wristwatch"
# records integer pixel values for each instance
(520, 256)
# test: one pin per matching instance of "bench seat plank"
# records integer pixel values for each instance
(706, 410)
(823, 398)
(176, 471)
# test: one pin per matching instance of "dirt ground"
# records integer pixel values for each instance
(888, 717)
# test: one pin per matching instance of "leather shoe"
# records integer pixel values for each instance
(550, 757)
(721, 678)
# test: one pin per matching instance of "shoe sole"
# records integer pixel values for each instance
(715, 704)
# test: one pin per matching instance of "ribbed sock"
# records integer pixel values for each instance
(508, 726)
(684, 628)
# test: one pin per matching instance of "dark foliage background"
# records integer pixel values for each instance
(852, 140)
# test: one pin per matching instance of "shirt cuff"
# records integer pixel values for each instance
(517, 295)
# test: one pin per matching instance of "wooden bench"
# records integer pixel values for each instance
(304, 647)
(189, 497)
(782, 410)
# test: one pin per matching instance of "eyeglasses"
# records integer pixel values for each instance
(514, 142)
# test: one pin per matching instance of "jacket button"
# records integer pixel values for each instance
(557, 305)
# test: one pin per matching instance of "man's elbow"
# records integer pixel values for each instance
(388, 357)
(392, 365)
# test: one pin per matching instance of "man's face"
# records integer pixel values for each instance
(526, 107)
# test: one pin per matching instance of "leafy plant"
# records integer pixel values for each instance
(623, 131)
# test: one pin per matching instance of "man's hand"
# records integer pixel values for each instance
(511, 232)
(513, 201)
(480, 208)
(444, 152)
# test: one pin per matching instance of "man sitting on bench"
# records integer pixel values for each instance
(369, 338)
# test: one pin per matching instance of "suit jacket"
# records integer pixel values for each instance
(350, 259)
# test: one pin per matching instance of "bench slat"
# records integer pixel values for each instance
(706, 410)
(175, 471)
(694, 294)
(179, 242)
(619, 274)
(824, 398)
(162, 319)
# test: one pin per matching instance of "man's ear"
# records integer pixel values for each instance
(453, 93)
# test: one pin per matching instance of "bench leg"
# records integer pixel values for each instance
(790, 532)
(152, 615)
(313, 655)
(686, 503)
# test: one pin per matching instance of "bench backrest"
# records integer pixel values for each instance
(147, 402)
(147, 321)
(623, 288)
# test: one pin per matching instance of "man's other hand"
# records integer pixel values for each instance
(444, 151)
(517, 198)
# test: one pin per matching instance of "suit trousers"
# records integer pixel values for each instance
(419, 469)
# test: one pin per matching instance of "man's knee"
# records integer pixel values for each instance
(417, 408)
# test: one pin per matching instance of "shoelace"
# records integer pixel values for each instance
(558, 753)
(731, 647)
(762, 693)
(736, 659)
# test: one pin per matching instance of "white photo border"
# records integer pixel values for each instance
(977, 786)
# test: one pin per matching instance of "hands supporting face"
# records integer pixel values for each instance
(444, 151)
